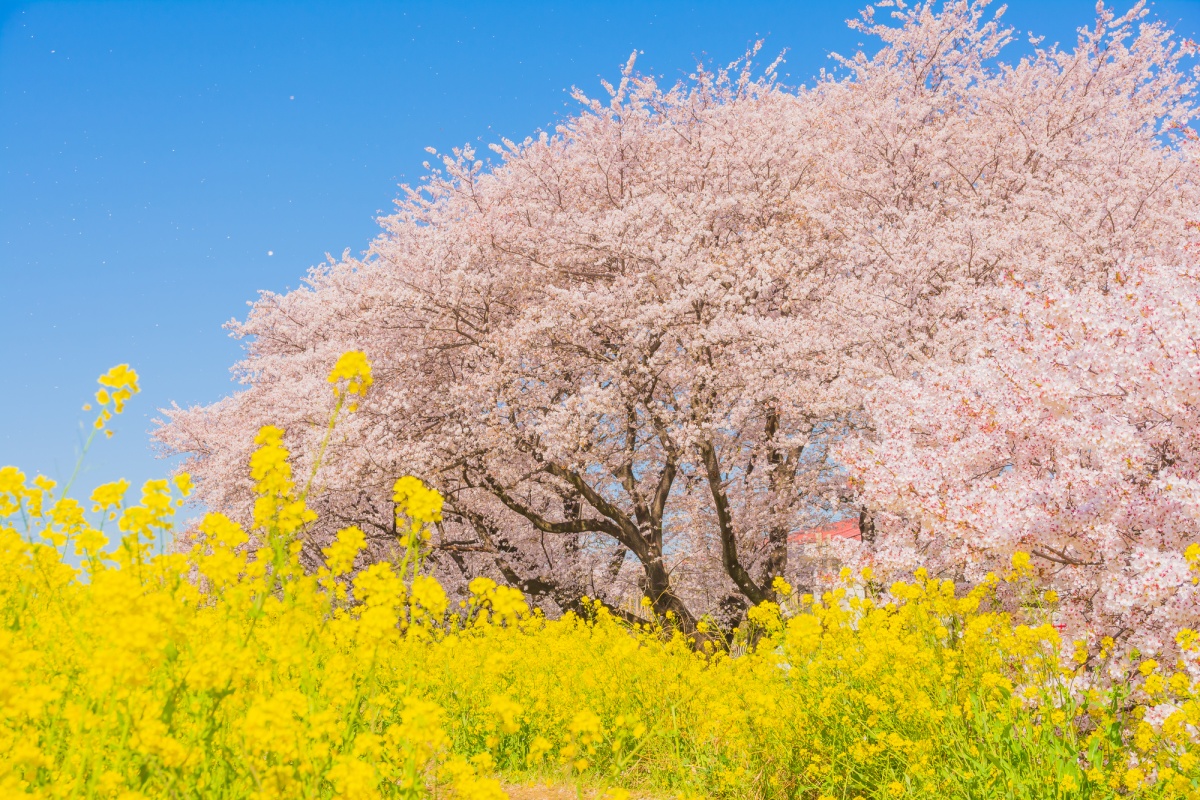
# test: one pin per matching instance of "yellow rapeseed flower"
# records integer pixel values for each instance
(228, 667)
(354, 369)
(109, 495)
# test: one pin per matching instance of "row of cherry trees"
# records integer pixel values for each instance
(948, 294)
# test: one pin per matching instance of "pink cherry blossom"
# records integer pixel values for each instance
(627, 349)
(1071, 432)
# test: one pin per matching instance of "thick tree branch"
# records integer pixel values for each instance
(729, 556)
(783, 474)
(582, 525)
(629, 534)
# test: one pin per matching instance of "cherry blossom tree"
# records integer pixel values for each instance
(1072, 434)
(623, 350)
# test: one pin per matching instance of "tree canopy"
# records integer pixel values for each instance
(636, 352)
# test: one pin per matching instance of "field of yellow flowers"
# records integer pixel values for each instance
(229, 672)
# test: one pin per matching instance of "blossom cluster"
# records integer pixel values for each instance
(1070, 433)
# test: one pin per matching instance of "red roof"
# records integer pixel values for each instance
(843, 529)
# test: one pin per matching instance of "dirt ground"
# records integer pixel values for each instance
(524, 792)
(560, 792)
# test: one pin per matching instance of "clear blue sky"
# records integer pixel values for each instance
(161, 162)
